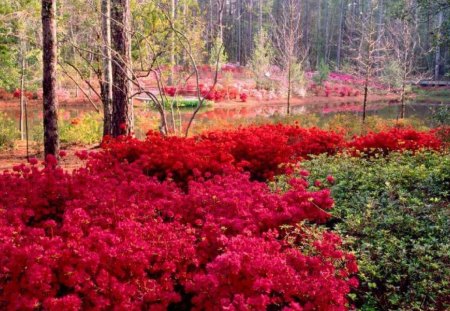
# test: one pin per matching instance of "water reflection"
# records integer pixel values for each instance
(229, 113)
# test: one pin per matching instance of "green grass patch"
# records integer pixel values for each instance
(185, 103)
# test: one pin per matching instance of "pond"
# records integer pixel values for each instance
(237, 113)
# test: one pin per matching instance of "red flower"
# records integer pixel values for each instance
(243, 97)
(331, 179)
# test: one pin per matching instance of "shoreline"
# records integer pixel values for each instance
(229, 103)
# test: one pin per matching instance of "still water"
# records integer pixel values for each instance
(213, 116)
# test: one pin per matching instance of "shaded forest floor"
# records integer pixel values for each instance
(18, 155)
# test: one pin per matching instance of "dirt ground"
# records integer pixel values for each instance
(18, 155)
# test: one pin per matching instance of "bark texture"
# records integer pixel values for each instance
(51, 137)
(107, 91)
(122, 121)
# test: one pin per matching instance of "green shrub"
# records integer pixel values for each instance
(8, 132)
(37, 136)
(442, 116)
(87, 129)
(323, 71)
(394, 213)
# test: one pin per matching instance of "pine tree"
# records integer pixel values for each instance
(262, 59)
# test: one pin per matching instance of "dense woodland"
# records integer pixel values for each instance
(333, 31)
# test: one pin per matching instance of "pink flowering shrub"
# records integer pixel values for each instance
(243, 97)
(260, 150)
(264, 274)
(101, 239)
(395, 139)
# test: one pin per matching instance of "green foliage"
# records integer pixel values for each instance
(432, 94)
(87, 129)
(393, 213)
(322, 73)
(442, 116)
(185, 103)
(19, 38)
(392, 74)
(298, 80)
(218, 53)
(262, 60)
(8, 132)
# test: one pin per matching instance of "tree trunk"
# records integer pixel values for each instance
(327, 32)
(122, 120)
(260, 16)
(403, 106)
(437, 62)
(51, 137)
(289, 88)
(107, 91)
(318, 34)
(366, 94)
(172, 45)
(341, 25)
(22, 91)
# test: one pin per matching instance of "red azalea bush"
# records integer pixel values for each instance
(114, 239)
(170, 91)
(214, 94)
(395, 139)
(259, 150)
(243, 97)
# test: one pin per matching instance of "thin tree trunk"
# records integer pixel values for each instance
(318, 34)
(289, 88)
(380, 27)
(122, 120)
(239, 33)
(172, 45)
(438, 48)
(107, 90)
(250, 27)
(403, 106)
(366, 94)
(327, 32)
(341, 25)
(51, 137)
(22, 91)
(260, 17)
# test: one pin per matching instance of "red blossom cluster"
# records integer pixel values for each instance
(394, 139)
(100, 239)
(260, 150)
(27, 94)
(243, 97)
(341, 91)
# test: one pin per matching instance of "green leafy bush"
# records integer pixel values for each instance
(394, 213)
(323, 71)
(87, 129)
(8, 132)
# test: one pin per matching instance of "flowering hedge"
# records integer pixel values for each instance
(102, 239)
(395, 139)
(260, 150)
